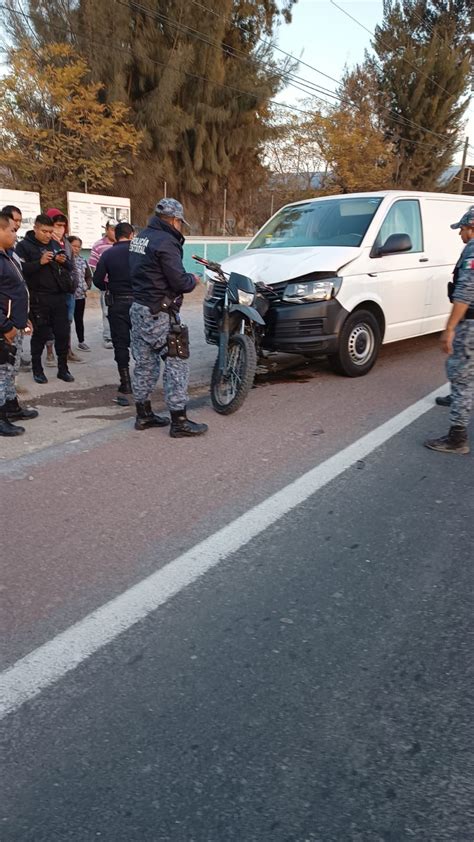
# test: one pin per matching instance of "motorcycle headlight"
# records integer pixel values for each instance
(209, 288)
(246, 298)
(298, 293)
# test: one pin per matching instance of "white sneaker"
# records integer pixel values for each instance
(108, 343)
(83, 346)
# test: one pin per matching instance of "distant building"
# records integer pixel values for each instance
(449, 181)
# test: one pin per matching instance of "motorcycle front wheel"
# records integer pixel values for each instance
(230, 388)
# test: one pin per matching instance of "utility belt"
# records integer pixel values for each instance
(7, 352)
(113, 297)
(177, 341)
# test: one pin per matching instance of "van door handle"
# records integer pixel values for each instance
(424, 260)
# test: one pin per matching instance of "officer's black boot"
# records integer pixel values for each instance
(182, 427)
(6, 427)
(63, 371)
(445, 400)
(455, 442)
(125, 387)
(146, 417)
(15, 412)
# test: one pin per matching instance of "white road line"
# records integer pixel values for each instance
(49, 662)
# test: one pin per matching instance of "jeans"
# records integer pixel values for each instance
(70, 307)
(105, 321)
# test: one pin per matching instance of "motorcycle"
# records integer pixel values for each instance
(234, 312)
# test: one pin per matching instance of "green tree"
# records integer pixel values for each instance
(57, 135)
(422, 68)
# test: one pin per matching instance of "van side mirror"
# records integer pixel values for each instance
(395, 244)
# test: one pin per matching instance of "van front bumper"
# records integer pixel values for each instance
(311, 328)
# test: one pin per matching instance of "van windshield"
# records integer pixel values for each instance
(330, 222)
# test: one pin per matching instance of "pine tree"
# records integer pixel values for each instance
(423, 76)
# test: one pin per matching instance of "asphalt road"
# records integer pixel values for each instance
(315, 685)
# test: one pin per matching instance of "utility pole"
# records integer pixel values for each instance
(463, 165)
(224, 218)
(272, 202)
(165, 186)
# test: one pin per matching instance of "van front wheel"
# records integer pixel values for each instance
(359, 344)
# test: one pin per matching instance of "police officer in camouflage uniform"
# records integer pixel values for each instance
(14, 304)
(159, 281)
(458, 342)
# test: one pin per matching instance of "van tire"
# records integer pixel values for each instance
(359, 344)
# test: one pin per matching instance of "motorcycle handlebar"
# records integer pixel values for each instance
(214, 267)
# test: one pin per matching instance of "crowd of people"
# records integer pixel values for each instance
(43, 287)
(44, 281)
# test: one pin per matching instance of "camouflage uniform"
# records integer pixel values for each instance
(9, 372)
(149, 345)
(460, 365)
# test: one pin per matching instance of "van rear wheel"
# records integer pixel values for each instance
(359, 344)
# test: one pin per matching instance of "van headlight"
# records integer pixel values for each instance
(246, 298)
(298, 293)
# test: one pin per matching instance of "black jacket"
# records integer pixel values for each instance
(114, 266)
(14, 303)
(48, 279)
(156, 265)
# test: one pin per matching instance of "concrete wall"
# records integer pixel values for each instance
(212, 248)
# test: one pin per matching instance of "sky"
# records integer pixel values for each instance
(325, 38)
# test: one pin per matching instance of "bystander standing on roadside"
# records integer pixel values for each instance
(49, 283)
(82, 283)
(14, 305)
(60, 231)
(98, 249)
(114, 265)
(16, 216)
(458, 342)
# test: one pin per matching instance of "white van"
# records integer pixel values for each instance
(352, 271)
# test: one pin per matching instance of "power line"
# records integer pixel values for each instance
(122, 49)
(241, 92)
(359, 23)
(266, 42)
(398, 118)
(311, 88)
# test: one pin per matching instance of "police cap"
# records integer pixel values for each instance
(171, 208)
(467, 219)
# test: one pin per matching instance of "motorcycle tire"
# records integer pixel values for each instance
(243, 348)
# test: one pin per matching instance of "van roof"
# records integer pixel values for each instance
(416, 194)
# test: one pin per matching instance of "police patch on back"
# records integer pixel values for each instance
(139, 244)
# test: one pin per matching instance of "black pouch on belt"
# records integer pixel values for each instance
(178, 341)
(7, 352)
(108, 298)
